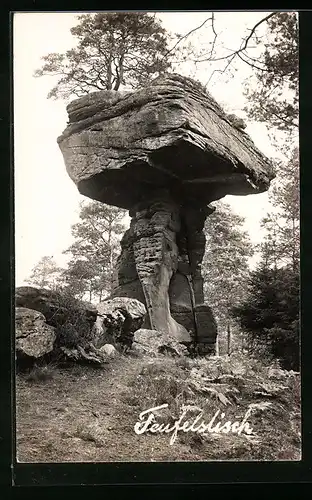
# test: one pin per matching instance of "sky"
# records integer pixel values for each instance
(46, 200)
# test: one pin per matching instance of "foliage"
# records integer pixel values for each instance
(114, 49)
(45, 273)
(270, 313)
(274, 96)
(94, 252)
(281, 245)
(70, 320)
(225, 266)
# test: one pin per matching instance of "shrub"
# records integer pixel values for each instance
(70, 320)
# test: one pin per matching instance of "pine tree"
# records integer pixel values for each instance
(46, 273)
(281, 245)
(225, 265)
(94, 252)
(274, 95)
(113, 49)
(270, 313)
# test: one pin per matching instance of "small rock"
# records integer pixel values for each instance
(109, 350)
(153, 342)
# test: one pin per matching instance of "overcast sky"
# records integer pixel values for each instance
(46, 200)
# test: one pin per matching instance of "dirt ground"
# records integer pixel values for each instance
(85, 414)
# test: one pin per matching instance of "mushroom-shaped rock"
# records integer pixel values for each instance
(164, 152)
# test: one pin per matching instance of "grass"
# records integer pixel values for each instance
(86, 414)
(41, 373)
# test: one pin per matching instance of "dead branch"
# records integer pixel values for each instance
(187, 35)
(244, 43)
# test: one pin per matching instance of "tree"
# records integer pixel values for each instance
(281, 245)
(270, 313)
(94, 252)
(114, 49)
(274, 96)
(225, 265)
(45, 273)
(270, 49)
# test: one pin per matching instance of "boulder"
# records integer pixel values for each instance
(70, 317)
(153, 343)
(34, 338)
(109, 350)
(50, 303)
(117, 320)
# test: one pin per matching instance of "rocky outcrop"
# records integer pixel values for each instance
(149, 259)
(117, 321)
(33, 337)
(164, 152)
(153, 343)
(51, 303)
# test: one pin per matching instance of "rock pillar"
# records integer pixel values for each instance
(160, 266)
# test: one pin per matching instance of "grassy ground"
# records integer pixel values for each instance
(86, 414)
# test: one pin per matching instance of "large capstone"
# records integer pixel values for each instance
(164, 152)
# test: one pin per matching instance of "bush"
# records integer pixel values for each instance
(270, 315)
(70, 320)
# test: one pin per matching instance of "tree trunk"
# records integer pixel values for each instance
(228, 339)
(217, 346)
(294, 260)
(109, 75)
(111, 263)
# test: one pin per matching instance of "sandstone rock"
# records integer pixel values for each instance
(149, 259)
(153, 342)
(170, 130)
(109, 350)
(49, 302)
(164, 152)
(118, 319)
(59, 310)
(34, 338)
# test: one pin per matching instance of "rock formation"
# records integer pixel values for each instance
(117, 321)
(34, 338)
(165, 153)
(54, 305)
(153, 343)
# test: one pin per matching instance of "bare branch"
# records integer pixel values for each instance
(187, 35)
(244, 42)
(254, 29)
(250, 63)
(220, 70)
(215, 34)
